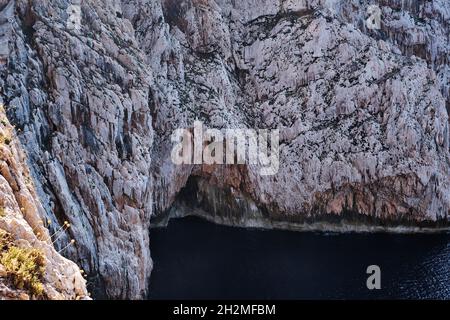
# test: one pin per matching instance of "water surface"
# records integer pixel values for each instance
(194, 259)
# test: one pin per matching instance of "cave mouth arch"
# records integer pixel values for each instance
(224, 205)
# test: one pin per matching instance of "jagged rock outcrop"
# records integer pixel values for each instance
(351, 109)
(416, 27)
(361, 113)
(21, 223)
(81, 101)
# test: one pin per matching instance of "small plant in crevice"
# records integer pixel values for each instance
(24, 267)
(5, 139)
(6, 130)
(72, 242)
(2, 212)
(58, 233)
(53, 238)
(28, 182)
(6, 240)
(40, 224)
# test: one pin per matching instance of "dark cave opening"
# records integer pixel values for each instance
(222, 205)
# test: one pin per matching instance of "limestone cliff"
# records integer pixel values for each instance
(24, 238)
(361, 113)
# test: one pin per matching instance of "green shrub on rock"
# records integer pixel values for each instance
(25, 267)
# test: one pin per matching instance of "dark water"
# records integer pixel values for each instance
(198, 260)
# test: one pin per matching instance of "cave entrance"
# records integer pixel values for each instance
(221, 205)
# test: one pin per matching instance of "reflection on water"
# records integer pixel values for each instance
(195, 259)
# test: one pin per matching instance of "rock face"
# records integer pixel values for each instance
(419, 28)
(81, 101)
(361, 113)
(21, 216)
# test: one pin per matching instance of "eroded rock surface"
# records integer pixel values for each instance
(21, 221)
(361, 113)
